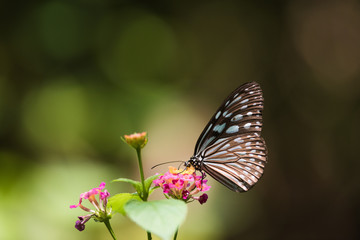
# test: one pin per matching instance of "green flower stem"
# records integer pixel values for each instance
(107, 223)
(145, 193)
(176, 233)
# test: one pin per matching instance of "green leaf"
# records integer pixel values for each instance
(118, 201)
(136, 184)
(161, 217)
(149, 181)
(152, 189)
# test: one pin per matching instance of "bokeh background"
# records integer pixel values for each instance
(76, 75)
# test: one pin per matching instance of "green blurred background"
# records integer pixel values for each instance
(76, 75)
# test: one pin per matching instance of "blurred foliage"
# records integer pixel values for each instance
(76, 75)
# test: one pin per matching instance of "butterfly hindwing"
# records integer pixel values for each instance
(236, 162)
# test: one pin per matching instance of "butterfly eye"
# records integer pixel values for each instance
(230, 148)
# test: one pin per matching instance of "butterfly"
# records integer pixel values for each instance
(230, 148)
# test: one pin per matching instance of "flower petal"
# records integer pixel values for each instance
(79, 225)
(203, 198)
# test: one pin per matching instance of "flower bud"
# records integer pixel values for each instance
(136, 140)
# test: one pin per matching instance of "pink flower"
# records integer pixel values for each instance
(101, 211)
(183, 184)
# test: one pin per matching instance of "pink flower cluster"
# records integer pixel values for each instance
(183, 184)
(101, 213)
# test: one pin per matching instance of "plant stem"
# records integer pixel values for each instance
(149, 235)
(145, 193)
(107, 223)
(176, 233)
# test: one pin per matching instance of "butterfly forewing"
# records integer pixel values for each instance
(241, 112)
(230, 148)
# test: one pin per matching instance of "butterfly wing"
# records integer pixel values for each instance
(237, 162)
(241, 112)
(230, 148)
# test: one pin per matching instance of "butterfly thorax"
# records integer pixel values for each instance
(196, 162)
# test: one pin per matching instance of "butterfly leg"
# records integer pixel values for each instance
(203, 176)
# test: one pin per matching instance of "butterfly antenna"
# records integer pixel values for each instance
(165, 163)
(180, 165)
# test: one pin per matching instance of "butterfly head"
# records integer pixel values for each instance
(194, 162)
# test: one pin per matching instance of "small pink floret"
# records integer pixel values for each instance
(104, 194)
(102, 186)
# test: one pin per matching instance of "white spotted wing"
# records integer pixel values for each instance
(241, 112)
(230, 148)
